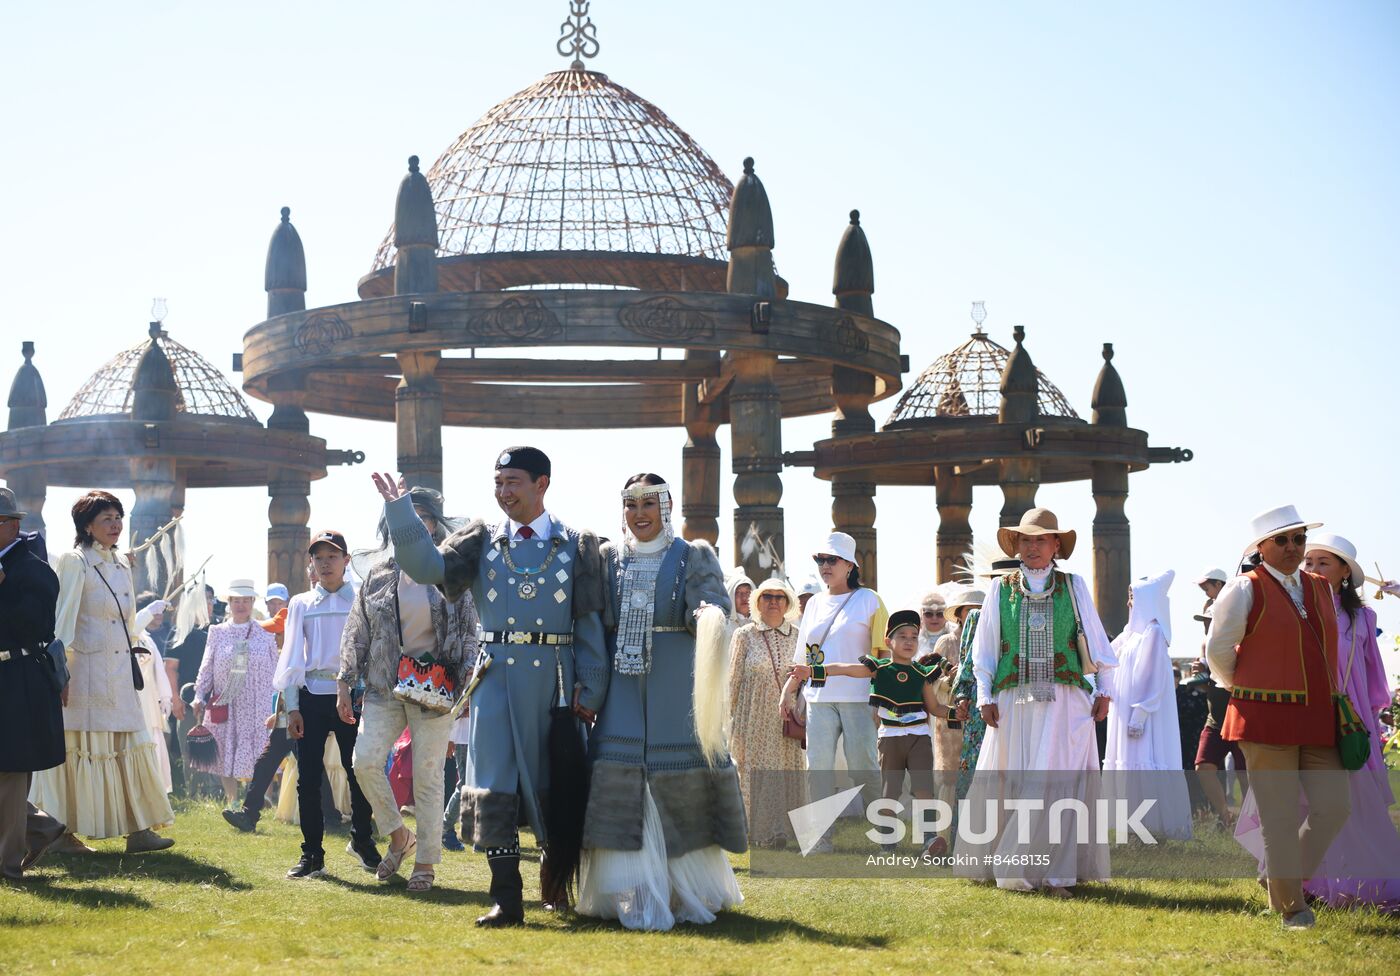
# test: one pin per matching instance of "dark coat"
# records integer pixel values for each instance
(31, 716)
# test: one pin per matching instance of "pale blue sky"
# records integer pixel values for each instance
(1209, 186)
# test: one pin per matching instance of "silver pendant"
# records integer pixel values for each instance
(527, 590)
(1037, 621)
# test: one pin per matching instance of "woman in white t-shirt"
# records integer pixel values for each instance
(839, 625)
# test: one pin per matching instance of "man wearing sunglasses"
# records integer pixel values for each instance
(1273, 642)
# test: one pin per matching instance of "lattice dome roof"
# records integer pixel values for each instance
(576, 162)
(966, 383)
(201, 390)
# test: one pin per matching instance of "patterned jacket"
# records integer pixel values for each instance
(369, 648)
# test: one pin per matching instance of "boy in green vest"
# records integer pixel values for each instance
(901, 692)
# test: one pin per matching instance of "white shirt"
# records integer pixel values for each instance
(987, 650)
(541, 527)
(848, 626)
(315, 622)
(1229, 616)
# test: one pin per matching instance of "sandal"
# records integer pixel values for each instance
(393, 859)
(421, 881)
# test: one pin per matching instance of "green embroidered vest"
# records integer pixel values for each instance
(1068, 670)
(897, 687)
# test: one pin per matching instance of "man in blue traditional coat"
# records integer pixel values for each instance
(539, 589)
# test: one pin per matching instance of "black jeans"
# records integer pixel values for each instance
(279, 744)
(319, 718)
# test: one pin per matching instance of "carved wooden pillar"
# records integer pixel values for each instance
(1020, 478)
(153, 480)
(953, 496)
(755, 409)
(852, 497)
(700, 468)
(1112, 562)
(755, 418)
(31, 490)
(290, 509)
(418, 414)
(28, 405)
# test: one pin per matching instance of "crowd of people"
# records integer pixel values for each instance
(645, 713)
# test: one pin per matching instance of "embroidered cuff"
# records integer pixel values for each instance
(819, 676)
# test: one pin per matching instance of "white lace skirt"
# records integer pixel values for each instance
(646, 890)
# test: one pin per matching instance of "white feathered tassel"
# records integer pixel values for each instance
(153, 568)
(711, 690)
(167, 553)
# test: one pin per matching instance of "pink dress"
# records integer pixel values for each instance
(245, 687)
(1363, 864)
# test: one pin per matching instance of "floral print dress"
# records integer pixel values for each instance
(771, 767)
(239, 661)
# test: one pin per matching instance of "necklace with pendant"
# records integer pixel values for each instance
(526, 588)
(1036, 618)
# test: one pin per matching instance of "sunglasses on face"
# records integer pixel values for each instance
(826, 560)
(934, 613)
(1298, 539)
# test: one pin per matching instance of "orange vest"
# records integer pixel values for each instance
(1272, 661)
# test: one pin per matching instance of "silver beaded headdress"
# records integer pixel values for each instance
(639, 491)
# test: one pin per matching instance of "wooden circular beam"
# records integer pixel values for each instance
(345, 353)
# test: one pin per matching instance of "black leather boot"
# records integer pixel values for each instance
(507, 891)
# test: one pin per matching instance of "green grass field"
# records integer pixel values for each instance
(218, 903)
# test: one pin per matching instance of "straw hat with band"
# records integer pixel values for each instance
(1037, 521)
(240, 587)
(1344, 550)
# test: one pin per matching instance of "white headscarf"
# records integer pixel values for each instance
(1150, 602)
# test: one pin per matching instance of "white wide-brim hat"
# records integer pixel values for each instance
(774, 584)
(968, 597)
(241, 587)
(840, 544)
(1218, 575)
(1285, 518)
(1037, 521)
(1341, 548)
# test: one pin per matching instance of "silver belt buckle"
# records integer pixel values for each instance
(517, 637)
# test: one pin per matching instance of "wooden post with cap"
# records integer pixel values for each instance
(1112, 544)
(418, 398)
(755, 407)
(852, 498)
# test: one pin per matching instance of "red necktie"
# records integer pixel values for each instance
(525, 532)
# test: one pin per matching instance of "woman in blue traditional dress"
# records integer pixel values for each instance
(665, 802)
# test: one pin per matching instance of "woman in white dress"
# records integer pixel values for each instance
(1143, 759)
(110, 784)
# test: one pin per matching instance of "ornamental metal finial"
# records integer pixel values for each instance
(577, 35)
(979, 315)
